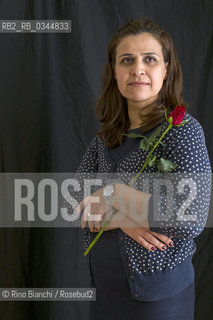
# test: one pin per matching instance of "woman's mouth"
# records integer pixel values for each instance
(138, 84)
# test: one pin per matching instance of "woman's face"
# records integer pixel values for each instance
(139, 68)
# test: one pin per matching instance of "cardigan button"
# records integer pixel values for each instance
(135, 294)
(131, 277)
(121, 238)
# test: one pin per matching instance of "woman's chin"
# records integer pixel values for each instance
(139, 99)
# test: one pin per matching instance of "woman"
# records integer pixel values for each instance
(142, 269)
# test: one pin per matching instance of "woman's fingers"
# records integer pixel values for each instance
(147, 239)
(93, 224)
(84, 219)
(93, 220)
(163, 238)
(154, 241)
(142, 241)
(86, 216)
(138, 235)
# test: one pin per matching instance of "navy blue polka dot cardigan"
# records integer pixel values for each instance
(158, 275)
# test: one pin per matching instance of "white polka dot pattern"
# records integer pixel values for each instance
(186, 147)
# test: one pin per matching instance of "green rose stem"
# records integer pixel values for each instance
(100, 232)
(149, 155)
(130, 184)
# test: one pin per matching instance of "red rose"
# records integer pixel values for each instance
(177, 115)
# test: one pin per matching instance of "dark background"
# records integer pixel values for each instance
(49, 84)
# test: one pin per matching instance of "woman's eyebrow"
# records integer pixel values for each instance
(130, 54)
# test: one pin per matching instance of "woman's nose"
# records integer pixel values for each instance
(138, 69)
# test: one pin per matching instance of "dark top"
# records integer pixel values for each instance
(158, 275)
(118, 153)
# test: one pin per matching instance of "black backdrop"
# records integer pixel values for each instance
(49, 85)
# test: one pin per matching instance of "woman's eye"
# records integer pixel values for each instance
(150, 59)
(127, 60)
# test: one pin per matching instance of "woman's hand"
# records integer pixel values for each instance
(94, 209)
(143, 235)
(135, 223)
(148, 239)
(95, 212)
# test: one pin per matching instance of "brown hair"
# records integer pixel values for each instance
(112, 108)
